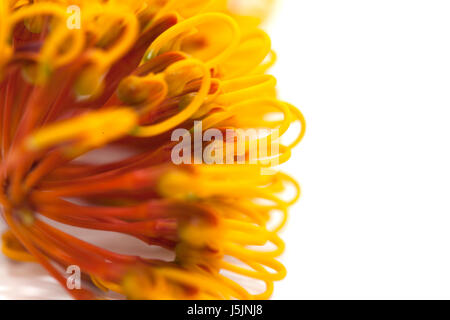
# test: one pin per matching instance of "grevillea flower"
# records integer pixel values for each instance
(121, 82)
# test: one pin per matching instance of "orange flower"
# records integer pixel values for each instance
(118, 77)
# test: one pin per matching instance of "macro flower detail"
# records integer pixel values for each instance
(120, 84)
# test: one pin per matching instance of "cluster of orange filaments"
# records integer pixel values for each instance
(83, 77)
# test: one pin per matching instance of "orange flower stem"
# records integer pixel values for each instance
(7, 110)
(18, 232)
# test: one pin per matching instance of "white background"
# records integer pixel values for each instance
(373, 80)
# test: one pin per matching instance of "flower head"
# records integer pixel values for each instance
(79, 79)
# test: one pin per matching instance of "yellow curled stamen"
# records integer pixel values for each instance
(251, 52)
(240, 89)
(298, 116)
(43, 8)
(104, 58)
(253, 104)
(106, 285)
(50, 54)
(13, 249)
(190, 23)
(280, 270)
(185, 8)
(266, 65)
(188, 111)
